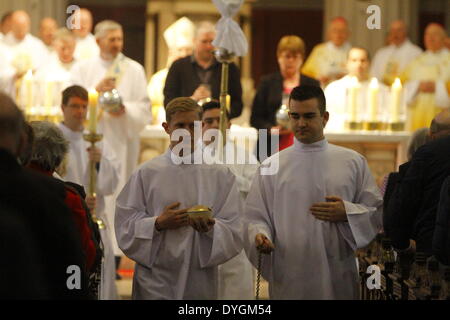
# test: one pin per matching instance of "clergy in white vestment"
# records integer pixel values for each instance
(121, 128)
(5, 24)
(86, 43)
(23, 51)
(427, 80)
(327, 60)
(236, 275)
(47, 30)
(358, 64)
(389, 62)
(74, 107)
(177, 253)
(311, 214)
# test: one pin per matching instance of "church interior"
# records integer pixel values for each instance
(376, 108)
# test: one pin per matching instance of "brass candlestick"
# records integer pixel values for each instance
(93, 138)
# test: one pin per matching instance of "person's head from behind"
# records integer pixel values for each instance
(358, 63)
(84, 16)
(338, 31)
(290, 54)
(307, 113)
(109, 37)
(50, 146)
(74, 107)
(47, 30)
(27, 149)
(181, 113)
(434, 37)
(204, 36)
(11, 125)
(64, 44)
(211, 117)
(397, 32)
(440, 125)
(418, 139)
(5, 22)
(20, 24)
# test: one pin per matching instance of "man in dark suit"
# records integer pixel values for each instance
(419, 190)
(34, 203)
(198, 76)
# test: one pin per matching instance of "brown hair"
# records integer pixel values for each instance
(292, 44)
(182, 104)
(74, 91)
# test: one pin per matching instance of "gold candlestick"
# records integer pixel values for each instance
(93, 138)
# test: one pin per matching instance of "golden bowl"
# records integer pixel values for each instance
(200, 211)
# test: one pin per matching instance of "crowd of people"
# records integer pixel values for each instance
(301, 222)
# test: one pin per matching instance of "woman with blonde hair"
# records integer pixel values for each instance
(274, 89)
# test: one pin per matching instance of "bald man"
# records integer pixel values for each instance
(427, 78)
(86, 47)
(327, 61)
(413, 224)
(390, 61)
(47, 30)
(5, 24)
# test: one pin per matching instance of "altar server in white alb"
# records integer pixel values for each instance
(86, 43)
(120, 127)
(236, 275)
(390, 61)
(313, 213)
(177, 254)
(74, 108)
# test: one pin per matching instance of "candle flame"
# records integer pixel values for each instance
(29, 75)
(373, 83)
(397, 83)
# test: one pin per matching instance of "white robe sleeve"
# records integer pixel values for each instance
(108, 175)
(224, 240)
(441, 95)
(134, 226)
(364, 213)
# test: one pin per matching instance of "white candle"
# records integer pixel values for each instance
(373, 99)
(396, 94)
(353, 93)
(28, 91)
(92, 124)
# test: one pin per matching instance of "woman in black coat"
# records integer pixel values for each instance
(274, 91)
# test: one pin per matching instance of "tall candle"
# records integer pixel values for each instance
(28, 91)
(353, 93)
(92, 124)
(396, 94)
(373, 99)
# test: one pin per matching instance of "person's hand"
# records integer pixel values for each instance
(263, 244)
(171, 218)
(91, 202)
(106, 84)
(427, 86)
(324, 80)
(333, 210)
(94, 154)
(201, 224)
(118, 113)
(202, 92)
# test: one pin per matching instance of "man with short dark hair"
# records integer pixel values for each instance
(314, 212)
(177, 249)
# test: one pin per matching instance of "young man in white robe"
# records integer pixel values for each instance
(74, 107)
(427, 80)
(236, 281)
(177, 254)
(358, 65)
(390, 61)
(121, 127)
(313, 212)
(87, 47)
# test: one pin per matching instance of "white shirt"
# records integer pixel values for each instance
(312, 259)
(178, 263)
(86, 48)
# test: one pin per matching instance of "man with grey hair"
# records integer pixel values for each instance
(122, 124)
(37, 203)
(198, 76)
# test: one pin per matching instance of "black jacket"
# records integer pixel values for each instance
(441, 237)
(418, 196)
(268, 99)
(182, 80)
(38, 203)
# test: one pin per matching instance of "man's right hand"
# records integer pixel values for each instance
(263, 244)
(106, 84)
(172, 219)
